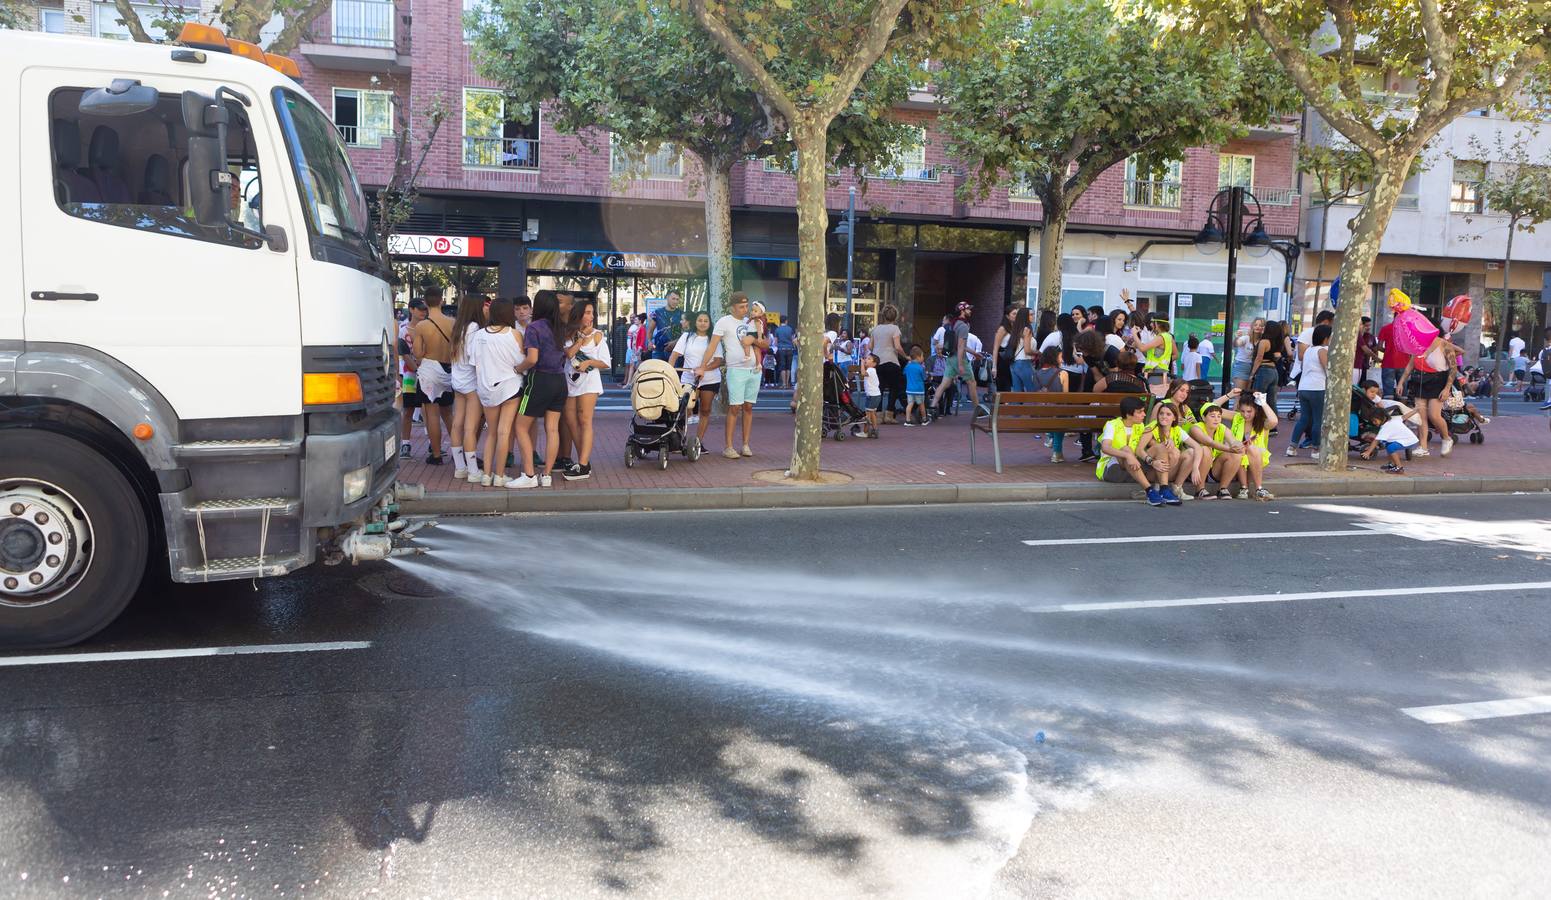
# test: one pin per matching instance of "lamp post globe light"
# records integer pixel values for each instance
(1226, 228)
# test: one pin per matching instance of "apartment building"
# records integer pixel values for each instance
(509, 205)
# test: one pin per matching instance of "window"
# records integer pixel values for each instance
(1235, 171)
(662, 161)
(476, 13)
(1465, 193)
(364, 23)
(108, 23)
(337, 218)
(51, 20)
(1163, 190)
(363, 118)
(490, 139)
(131, 171)
(909, 160)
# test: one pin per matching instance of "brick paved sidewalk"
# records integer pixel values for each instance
(939, 454)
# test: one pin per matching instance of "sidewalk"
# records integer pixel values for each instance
(1516, 455)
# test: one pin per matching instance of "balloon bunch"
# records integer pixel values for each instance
(1413, 332)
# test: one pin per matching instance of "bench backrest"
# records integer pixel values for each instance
(1057, 404)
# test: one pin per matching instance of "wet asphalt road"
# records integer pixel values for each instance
(886, 702)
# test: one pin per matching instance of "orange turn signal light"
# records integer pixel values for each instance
(208, 37)
(331, 388)
(284, 65)
(143, 431)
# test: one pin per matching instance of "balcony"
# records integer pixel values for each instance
(1149, 194)
(365, 37)
(1278, 125)
(1274, 196)
(356, 136)
(911, 173)
(500, 153)
(666, 162)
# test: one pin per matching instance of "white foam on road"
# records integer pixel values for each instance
(1308, 595)
(1191, 538)
(184, 653)
(1486, 709)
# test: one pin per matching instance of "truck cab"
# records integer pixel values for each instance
(195, 364)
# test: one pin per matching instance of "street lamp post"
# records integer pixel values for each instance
(1225, 228)
(850, 262)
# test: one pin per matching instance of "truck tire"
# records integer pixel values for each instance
(74, 540)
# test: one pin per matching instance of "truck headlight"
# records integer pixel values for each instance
(356, 484)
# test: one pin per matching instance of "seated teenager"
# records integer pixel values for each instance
(1252, 425)
(1163, 451)
(1224, 454)
(1119, 461)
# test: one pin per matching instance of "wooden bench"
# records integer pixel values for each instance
(1016, 412)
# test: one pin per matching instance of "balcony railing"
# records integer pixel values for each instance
(1154, 194)
(501, 153)
(363, 23)
(909, 173)
(667, 162)
(358, 136)
(1274, 196)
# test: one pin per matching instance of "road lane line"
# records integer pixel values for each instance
(1174, 538)
(1310, 595)
(127, 655)
(1486, 709)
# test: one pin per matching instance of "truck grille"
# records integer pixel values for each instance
(378, 381)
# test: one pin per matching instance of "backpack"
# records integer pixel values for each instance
(1545, 362)
(950, 341)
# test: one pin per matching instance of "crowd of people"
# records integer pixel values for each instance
(503, 367)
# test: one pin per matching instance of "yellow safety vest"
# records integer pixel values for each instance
(1158, 357)
(1176, 435)
(1130, 442)
(1260, 440)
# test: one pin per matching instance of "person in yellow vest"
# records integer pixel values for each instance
(1252, 425)
(1166, 451)
(1119, 462)
(1223, 456)
(1156, 345)
(1179, 394)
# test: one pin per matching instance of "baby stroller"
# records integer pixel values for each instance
(1536, 392)
(660, 421)
(1366, 419)
(1461, 424)
(842, 417)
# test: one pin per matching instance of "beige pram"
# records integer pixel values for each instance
(660, 420)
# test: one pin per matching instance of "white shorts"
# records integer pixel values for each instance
(495, 395)
(433, 379)
(591, 382)
(465, 378)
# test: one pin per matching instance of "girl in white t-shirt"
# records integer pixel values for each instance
(587, 355)
(497, 351)
(691, 350)
(466, 412)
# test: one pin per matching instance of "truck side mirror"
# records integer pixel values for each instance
(209, 181)
(124, 97)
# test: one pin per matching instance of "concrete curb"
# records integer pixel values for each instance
(502, 502)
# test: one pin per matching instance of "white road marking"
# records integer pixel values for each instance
(126, 655)
(1486, 709)
(1181, 538)
(1310, 595)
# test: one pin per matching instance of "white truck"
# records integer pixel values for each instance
(195, 363)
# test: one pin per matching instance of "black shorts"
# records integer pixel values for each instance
(417, 398)
(1429, 385)
(544, 393)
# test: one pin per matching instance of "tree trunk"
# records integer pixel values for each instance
(718, 232)
(1052, 243)
(1502, 329)
(1356, 266)
(813, 274)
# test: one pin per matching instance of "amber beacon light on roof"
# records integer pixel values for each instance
(209, 37)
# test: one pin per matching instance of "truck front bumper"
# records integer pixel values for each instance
(329, 460)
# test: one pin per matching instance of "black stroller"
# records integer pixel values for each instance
(842, 417)
(1366, 419)
(1536, 391)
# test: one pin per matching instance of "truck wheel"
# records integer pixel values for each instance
(73, 540)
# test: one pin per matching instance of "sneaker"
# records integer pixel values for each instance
(1224, 494)
(1057, 458)
(747, 451)
(486, 480)
(564, 463)
(1421, 451)
(522, 482)
(1263, 494)
(1448, 447)
(730, 453)
(1546, 405)
(1205, 494)
(1183, 494)
(1291, 450)
(1154, 498)
(1243, 494)
(476, 476)
(1487, 420)
(578, 472)
(1314, 456)
(459, 474)
(433, 460)
(908, 424)
(1389, 467)
(1169, 497)
(1088, 457)
(1395, 470)
(404, 451)
(498, 481)
(546, 481)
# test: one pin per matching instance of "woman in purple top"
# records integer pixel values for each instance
(544, 393)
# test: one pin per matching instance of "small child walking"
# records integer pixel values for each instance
(915, 386)
(874, 390)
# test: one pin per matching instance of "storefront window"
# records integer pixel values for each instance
(410, 280)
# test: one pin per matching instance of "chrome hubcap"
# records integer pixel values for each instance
(45, 543)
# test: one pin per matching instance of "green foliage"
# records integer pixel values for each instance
(15, 14)
(1053, 98)
(1339, 174)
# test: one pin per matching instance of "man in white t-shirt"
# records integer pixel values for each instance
(1208, 353)
(1191, 361)
(741, 341)
(1516, 346)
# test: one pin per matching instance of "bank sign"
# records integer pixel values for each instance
(435, 245)
(609, 262)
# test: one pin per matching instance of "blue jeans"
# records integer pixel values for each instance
(1022, 375)
(1311, 408)
(1390, 380)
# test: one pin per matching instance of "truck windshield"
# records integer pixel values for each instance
(336, 211)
